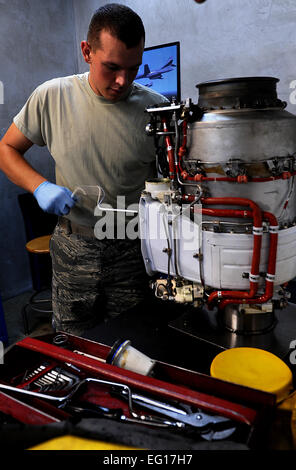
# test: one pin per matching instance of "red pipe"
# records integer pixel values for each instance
(227, 213)
(273, 242)
(253, 285)
(257, 232)
(241, 296)
(238, 179)
(284, 176)
(183, 150)
(271, 268)
(256, 251)
(236, 201)
(170, 151)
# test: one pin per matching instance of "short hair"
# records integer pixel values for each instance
(120, 21)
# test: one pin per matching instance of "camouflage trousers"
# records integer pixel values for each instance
(94, 279)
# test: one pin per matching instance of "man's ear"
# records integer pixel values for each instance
(86, 51)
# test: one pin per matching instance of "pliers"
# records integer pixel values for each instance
(210, 427)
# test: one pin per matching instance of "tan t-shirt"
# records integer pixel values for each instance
(93, 141)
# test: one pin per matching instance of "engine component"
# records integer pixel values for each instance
(223, 230)
(179, 290)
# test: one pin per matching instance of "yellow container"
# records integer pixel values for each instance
(255, 368)
(70, 442)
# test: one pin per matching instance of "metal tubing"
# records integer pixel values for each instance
(169, 147)
(271, 269)
(256, 214)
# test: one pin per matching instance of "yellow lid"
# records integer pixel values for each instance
(253, 368)
(69, 442)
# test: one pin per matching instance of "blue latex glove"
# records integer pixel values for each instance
(53, 198)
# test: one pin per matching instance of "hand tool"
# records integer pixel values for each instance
(63, 401)
(211, 427)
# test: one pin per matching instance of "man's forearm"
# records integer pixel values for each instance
(17, 169)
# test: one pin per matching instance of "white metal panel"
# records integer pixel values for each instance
(225, 256)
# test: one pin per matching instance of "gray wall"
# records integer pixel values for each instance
(37, 43)
(41, 40)
(219, 38)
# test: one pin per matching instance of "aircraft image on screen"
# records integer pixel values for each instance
(156, 74)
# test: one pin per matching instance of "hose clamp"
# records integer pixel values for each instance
(254, 277)
(270, 277)
(273, 229)
(257, 231)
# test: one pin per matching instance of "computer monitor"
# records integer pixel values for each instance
(160, 69)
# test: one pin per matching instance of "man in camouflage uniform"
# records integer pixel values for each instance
(93, 125)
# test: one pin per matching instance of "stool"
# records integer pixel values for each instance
(37, 246)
